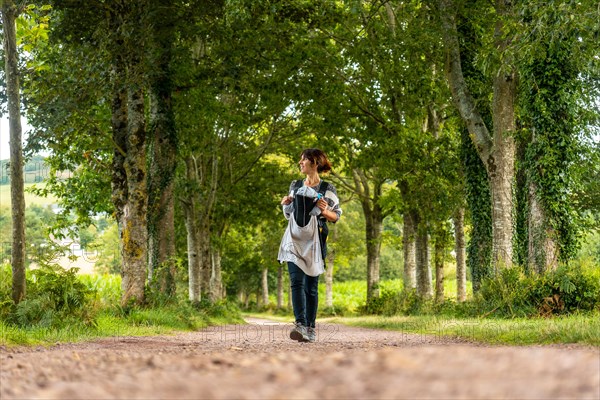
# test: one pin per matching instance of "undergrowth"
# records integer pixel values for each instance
(61, 305)
(511, 294)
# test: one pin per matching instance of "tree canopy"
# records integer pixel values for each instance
(184, 121)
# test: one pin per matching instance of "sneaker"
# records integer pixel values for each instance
(312, 334)
(299, 333)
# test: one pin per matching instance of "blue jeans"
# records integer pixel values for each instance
(305, 295)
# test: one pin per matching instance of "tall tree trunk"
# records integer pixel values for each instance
(217, 290)
(374, 231)
(542, 254)
(439, 250)
(194, 283)
(216, 279)
(498, 151)
(129, 186)
(162, 152)
(374, 227)
(193, 233)
(460, 250)
(119, 121)
(17, 195)
(204, 253)
(134, 233)
(199, 175)
(329, 270)
(479, 247)
(501, 169)
(280, 287)
(409, 250)
(206, 230)
(424, 280)
(265, 287)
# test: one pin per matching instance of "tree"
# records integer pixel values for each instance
(235, 108)
(111, 107)
(550, 50)
(555, 70)
(130, 193)
(496, 149)
(162, 148)
(459, 249)
(10, 13)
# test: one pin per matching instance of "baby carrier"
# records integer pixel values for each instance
(303, 205)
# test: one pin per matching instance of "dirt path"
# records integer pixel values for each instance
(258, 361)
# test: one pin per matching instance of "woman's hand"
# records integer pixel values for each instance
(326, 212)
(286, 200)
(322, 204)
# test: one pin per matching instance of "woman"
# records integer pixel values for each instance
(312, 202)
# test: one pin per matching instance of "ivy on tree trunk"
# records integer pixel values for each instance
(497, 150)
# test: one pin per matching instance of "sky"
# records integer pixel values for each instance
(4, 136)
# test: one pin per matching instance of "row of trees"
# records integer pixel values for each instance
(184, 119)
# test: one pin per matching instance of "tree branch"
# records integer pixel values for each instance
(460, 92)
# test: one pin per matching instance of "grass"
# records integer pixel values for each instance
(572, 329)
(580, 329)
(111, 320)
(139, 322)
(349, 296)
(148, 323)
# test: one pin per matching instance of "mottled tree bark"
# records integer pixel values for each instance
(265, 286)
(501, 169)
(439, 251)
(374, 232)
(200, 174)
(460, 250)
(216, 280)
(193, 234)
(129, 186)
(374, 229)
(497, 151)
(409, 250)
(134, 231)
(542, 254)
(424, 279)
(17, 194)
(204, 252)
(194, 283)
(161, 207)
(162, 152)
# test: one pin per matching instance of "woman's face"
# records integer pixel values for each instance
(306, 166)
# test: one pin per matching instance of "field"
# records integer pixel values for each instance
(349, 296)
(30, 198)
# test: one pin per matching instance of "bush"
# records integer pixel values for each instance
(6, 303)
(55, 298)
(567, 290)
(563, 291)
(394, 302)
(507, 294)
(512, 293)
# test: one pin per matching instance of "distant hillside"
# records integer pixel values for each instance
(30, 198)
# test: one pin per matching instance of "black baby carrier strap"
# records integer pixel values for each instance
(302, 207)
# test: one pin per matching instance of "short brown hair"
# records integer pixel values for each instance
(317, 156)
